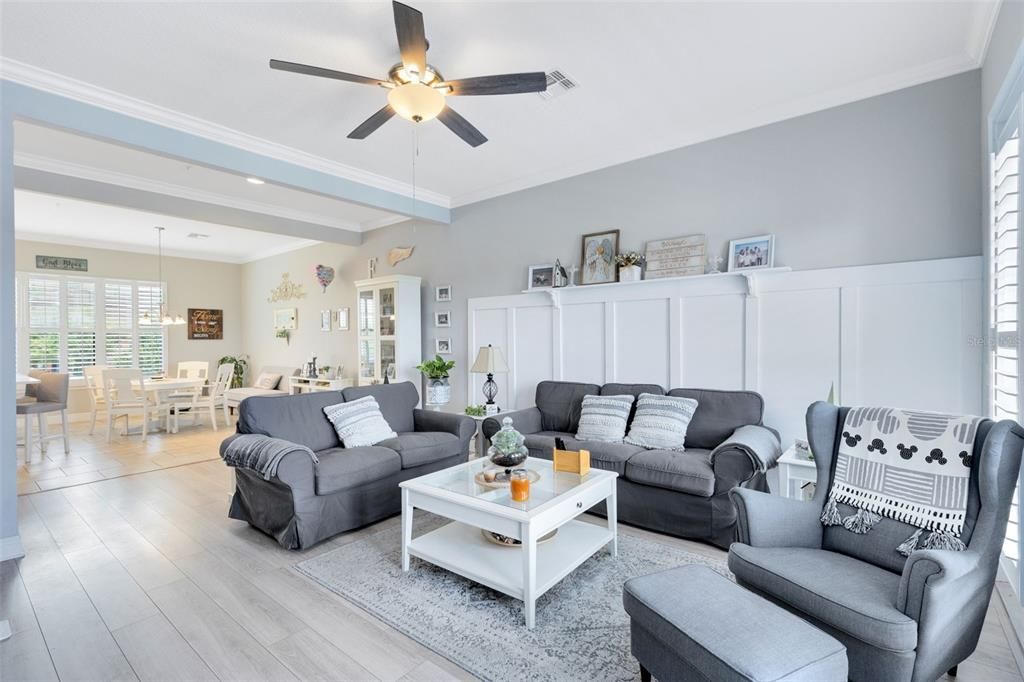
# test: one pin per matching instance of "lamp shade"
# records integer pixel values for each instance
(489, 360)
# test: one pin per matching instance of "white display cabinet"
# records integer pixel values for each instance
(389, 323)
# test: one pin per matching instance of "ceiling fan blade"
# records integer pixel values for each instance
(461, 127)
(504, 84)
(412, 40)
(372, 123)
(323, 73)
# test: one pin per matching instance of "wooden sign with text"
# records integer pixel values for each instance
(675, 257)
(205, 324)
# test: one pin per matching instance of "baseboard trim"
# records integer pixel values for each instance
(11, 548)
(1012, 613)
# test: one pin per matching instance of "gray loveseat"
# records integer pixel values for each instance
(685, 494)
(304, 502)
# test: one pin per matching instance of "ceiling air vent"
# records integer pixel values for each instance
(198, 235)
(559, 83)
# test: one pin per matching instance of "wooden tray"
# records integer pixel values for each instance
(532, 475)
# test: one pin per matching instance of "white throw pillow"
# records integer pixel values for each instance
(359, 422)
(604, 418)
(268, 381)
(661, 421)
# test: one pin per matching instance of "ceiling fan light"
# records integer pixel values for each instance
(416, 102)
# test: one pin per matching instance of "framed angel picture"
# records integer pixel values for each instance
(598, 258)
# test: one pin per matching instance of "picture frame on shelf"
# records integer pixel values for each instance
(598, 251)
(325, 320)
(443, 293)
(752, 253)
(443, 318)
(285, 318)
(443, 346)
(343, 319)
(540, 277)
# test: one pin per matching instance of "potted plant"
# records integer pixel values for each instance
(630, 266)
(325, 372)
(439, 392)
(284, 334)
(241, 363)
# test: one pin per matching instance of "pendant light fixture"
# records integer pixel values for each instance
(166, 319)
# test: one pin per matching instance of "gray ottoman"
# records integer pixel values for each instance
(690, 623)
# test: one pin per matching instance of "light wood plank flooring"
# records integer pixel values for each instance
(145, 577)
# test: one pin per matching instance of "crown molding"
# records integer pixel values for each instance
(983, 24)
(865, 89)
(84, 172)
(48, 81)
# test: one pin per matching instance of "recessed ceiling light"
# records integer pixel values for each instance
(254, 181)
(197, 235)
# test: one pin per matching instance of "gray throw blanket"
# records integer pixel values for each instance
(261, 454)
(758, 443)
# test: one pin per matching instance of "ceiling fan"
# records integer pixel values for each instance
(416, 90)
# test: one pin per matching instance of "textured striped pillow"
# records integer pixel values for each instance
(604, 417)
(661, 421)
(359, 422)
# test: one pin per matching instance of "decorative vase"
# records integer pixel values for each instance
(439, 392)
(630, 273)
(507, 449)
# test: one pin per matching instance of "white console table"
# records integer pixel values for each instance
(307, 385)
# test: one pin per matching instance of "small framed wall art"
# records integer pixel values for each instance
(598, 257)
(325, 320)
(206, 324)
(285, 318)
(443, 346)
(342, 325)
(541, 277)
(443, 318)
(443, 293)
(752, 253)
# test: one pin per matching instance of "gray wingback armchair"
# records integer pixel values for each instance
(900, 618)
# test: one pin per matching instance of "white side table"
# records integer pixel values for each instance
(795, 470)
(311, 385)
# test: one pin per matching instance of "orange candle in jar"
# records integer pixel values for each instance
(519, 485)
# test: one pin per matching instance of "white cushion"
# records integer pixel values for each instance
(661, 421)
(604, 418)
(267, 380)
(359, 422)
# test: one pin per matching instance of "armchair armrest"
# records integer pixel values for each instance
(525, 421)
(940, 579)
(765, 520)
(758, 443)
(457, 424)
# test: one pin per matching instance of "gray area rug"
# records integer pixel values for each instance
(582, 631)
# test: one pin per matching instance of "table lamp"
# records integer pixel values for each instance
(489, 360)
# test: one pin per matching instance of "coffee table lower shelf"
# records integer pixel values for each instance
(461, 549)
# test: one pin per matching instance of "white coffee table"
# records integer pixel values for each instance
(524, 572)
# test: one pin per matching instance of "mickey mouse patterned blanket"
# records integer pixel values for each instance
(913, 467)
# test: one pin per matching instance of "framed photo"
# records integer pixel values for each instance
(443, 346)
(342, 320)
(443, 318)
(443, 293)
(285, 318)
(541, 277)
(205, 324)
(325, 320)
(752, 253)
(598, 257)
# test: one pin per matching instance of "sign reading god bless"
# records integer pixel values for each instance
(62, 263)
(205, 324)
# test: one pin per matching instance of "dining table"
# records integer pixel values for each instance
(159, 388)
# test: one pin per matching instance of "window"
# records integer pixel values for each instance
(69, 323)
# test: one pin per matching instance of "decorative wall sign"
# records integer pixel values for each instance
(286, 290)
(62, 263)
(285, 319)
(324, 275)
(206, 324)
(399, 254)
(675, 257)
(599, 250)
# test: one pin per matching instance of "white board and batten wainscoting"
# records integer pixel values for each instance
(902, 334)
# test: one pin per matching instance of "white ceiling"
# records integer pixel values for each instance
(60, 220)
(654, 76)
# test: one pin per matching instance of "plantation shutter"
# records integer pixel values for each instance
(151, 336)
(43, 302)
(81, 324)
(118, 316)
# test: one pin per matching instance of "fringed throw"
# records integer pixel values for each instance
(908, 466)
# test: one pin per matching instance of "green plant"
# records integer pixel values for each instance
(284, 334)
(437, 368)
(241, 363)
(476, 410)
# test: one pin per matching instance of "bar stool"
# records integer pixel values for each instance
(51, 395)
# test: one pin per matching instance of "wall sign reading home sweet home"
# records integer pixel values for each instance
(62, 263)
(675, 257)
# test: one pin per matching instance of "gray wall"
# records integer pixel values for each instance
(1007, 39)
(887, 179)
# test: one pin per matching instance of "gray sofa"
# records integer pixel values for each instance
(304, 502)
(685, 494)
(901, 619)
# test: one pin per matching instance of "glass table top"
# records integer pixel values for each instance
(551, 485)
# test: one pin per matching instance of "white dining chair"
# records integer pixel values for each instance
(210, 401)
(49, 395)
(94, 382)
(124, 391)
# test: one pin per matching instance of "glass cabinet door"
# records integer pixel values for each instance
(387, 357)
(367, 358)
(387, 312)
(367, 312)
